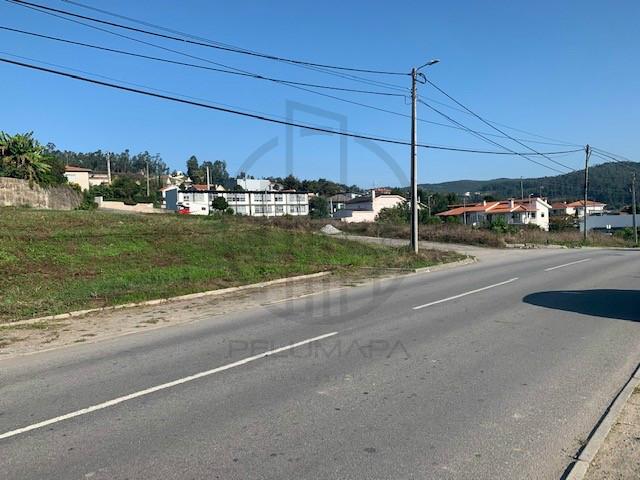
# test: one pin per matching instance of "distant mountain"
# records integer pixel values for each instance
(608, 182)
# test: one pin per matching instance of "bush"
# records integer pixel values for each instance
(220, 204)
(88, 202)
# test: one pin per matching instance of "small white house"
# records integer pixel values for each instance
(78, 175)
(366, 208)
(576, 209)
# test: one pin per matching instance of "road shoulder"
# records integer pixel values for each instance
(619, 456)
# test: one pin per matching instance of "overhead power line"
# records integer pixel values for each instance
(612, 155)
(488, 140)
(233, 71)
(193, 65)
(214, 42)
(339, 74)
(249, 115)
(491, 125)
(209, 45)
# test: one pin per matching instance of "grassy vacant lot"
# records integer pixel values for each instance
(53, 262)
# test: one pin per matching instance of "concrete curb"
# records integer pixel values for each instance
(160, 301)
(446, 266)
(599, 435)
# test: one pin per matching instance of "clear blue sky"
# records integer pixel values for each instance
(564, 69)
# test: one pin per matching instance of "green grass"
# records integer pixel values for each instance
(53, 262)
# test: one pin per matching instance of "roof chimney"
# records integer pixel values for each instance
(373, 194)
(511, 203)
(484, 203)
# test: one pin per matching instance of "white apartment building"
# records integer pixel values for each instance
(246, 202)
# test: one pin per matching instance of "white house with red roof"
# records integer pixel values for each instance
(533, 211)
(576, 209)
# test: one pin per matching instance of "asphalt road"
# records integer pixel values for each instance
(492, 371)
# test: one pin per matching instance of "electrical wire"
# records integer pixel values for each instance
(192, 65)
(249, 115)
(256, 76)
(214, 42)
(482, 137)
(209, 45)
(489, 123)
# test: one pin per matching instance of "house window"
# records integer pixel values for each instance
(279, 208)
(279, 198)
(237, 197)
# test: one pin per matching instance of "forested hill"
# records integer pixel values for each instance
(608, 182)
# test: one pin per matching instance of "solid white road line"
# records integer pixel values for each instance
(566, 264)
(147, 391)
(466, 293)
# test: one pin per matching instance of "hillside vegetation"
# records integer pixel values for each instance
(53, 261)
(608, 182)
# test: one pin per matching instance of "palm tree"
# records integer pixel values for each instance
(23, 157)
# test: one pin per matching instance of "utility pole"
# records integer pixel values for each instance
(414, 162)
(633, 209)
(148, 190)
(109, 167)
(521, 189)
(415, 72)
(587, 154)
(208, 178)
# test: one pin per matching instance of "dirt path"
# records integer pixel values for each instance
(619, 457)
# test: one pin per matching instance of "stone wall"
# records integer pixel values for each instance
(17, 193)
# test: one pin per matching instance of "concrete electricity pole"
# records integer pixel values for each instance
(633, 209)
(109, 168)
(148, 190)
(414, 163)
(208, 178)
(587, 154)
(415, 73)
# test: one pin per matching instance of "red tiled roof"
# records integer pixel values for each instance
(503, 206)
(590, 203)
(73, 168)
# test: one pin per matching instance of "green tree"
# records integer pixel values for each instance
(220, 204)
(219, 174)
(194, 171)
(23, 157)
(319, 207)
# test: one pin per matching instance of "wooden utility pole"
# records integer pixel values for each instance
(587, 154)
(414, 163)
